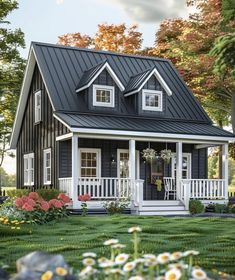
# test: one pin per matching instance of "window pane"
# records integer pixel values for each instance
(103, 96)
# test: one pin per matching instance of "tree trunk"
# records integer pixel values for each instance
(233, 112)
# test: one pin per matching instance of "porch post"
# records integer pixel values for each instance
(225, 168)
(179, 155)
(134, 186)
(74, 170)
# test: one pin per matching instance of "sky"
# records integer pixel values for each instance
(45, 20)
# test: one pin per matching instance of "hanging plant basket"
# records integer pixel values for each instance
(148, 154)
(166, 155)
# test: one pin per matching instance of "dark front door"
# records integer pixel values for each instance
(154, 188)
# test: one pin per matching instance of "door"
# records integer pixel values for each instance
(186, 166)
(123, 163)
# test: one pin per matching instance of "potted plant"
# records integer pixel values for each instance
(158, 184)
(166, 155)
(148, 154)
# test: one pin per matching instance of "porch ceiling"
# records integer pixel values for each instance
(120, 123)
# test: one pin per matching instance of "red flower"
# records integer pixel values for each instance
(19, 202)
(27, 207)
(44, 206)
(31, 202)
(84, 198)
(24, 198)
(64, 198)
(55, 203)
(33, 195)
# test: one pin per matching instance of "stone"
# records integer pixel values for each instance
(33, 265)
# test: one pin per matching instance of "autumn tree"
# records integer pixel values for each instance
(109, 37)
(11, 73)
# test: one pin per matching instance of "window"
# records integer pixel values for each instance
(186, 166)
(103, 96)
(38, 106)
(90, 162)
(47, 166)
(29, 169)
(123, 163)
(152, 100)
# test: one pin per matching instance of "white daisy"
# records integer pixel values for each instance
(176, 255)
(173, 274)
(106, 264)
(160, 278)
(118, 246)
(129, 266)
(121, 258)
(102, 259)
(190, 252)
(163, 258)
(199, 274)
(179, 265)
(89, 254)
(88, 262)
(87, 270)
(139, 260)
(116, 271)
(134, 229)
(110, 242)
(136, 278)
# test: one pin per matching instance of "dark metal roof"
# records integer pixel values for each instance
(89, 74)
(63, 67)
(141, 125)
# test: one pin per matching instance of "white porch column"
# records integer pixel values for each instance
(132, 159)
(225, 167)
(179, 156)
(74, 170)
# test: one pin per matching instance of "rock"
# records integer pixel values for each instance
(33, 265)
(3, 275)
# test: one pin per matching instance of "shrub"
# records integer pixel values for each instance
(196, 206)
(232, 208)
(221, 208)
(17, 192)
(48, 194)
(115, 206)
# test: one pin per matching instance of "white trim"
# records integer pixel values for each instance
(45, 153)
(63, 122)
(37, 108)
(189, 168)
(151, 92)
(112, 74)
(30, 179)
(203, 146)
(158, 77)
(137, 156)
(64, 136)
(92, 150)
(111, 89)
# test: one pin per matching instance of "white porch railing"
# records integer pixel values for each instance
(65, 185)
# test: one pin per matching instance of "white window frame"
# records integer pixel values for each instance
(37, 108)
(189, 169)
(137, 165)
(112, 96)
(90, 150)
(45, 168)
(29, 171)
(152, 92)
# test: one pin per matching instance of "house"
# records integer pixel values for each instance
(85, 117)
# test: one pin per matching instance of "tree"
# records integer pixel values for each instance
(11, 73)
(109, 37)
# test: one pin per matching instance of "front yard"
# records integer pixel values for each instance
(213, 237)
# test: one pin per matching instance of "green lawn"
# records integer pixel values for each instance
(213, 237)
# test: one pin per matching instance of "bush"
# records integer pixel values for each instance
(221, 208)
(196, 206)
(48, 194)
(232, 208)
(115, 206)
(17, 192)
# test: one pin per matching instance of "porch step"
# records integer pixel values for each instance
(164, 213)
(163, 208)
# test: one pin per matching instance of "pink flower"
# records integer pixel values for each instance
(64, 198)
(24, 198)
(55, 203)
(27, 207)
(44, 206)
(19, 202)
(31, 202)
(33, 195)
(84, 198)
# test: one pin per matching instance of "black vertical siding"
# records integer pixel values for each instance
(34, 138)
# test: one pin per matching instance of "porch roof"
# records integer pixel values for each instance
(139, 124)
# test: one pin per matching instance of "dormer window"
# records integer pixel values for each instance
(103, 96)
(151, 100)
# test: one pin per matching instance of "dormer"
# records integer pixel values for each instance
(102, 85)
(150, 91)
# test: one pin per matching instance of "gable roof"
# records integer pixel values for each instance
(91, 74)
(137, 82)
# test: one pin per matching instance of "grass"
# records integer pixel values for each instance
(213, 237)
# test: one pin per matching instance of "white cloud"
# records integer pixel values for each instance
(153, 10)
(59, 2)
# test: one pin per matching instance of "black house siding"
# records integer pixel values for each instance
(34, 138)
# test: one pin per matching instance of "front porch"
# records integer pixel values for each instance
(108, 169)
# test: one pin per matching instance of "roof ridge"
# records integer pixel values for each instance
(100, 51)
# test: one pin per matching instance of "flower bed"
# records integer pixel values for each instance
(32, 208)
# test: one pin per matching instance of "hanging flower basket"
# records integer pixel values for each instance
(148, 154)
(166, 155)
